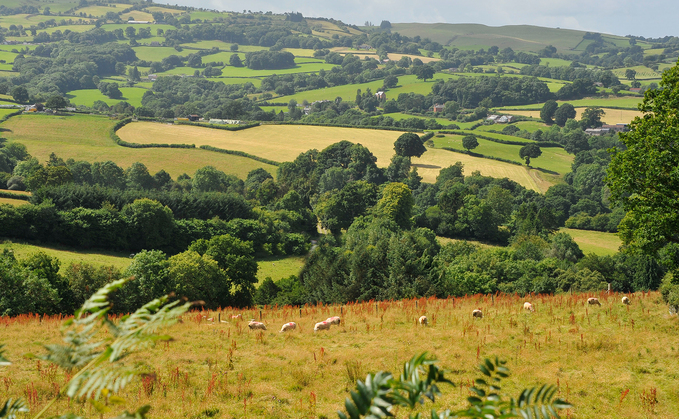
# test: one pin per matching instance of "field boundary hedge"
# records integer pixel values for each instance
(9, 115)
(239, 153)
(483, 156)
(320, 124)
(545, 144)
(123, 143)
(10, 195)
(215, 126)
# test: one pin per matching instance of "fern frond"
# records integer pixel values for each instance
(11, 409)
(3, 361)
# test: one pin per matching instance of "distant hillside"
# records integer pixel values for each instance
(518, 37)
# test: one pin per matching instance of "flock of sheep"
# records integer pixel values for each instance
(424, 321)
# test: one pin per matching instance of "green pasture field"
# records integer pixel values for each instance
(499, 136)
(152, 9)
(87, 97)
(207, 15)
(274, 108)
(18, 48)
(72, 28)
(554, 159)
(8, 56)
(406, 84)
(629, 102)
(7, 111)
(277, 267)
(301, 52)
(123, 26)
(86, 137)
(237, 80)
(397, 116)
(187, 71)
(554, 62)
(100, 11)
(230, 71)
(518, 37)
(596, 355)
(224, 46)
(68, 255)
(24, 19)
(145, 41)
(597, 242)
(158, 53)
(643, 73)
(286, 142)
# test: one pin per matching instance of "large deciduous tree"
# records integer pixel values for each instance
(469, 142)
(530, 151)
(548, 110)
(408, 145)
(564, 113)
(591, 117)
(645, 179)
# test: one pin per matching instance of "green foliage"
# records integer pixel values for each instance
(530, 151)
(379, 394)
(547, 111)
(565, 112)
(408, 145)
(469, 142)
(591, 117)
(396, 204)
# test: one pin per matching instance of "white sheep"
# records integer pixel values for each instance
(333, 320)
(593, 301)
(423, 320)
(288, 326)
(528, 306)
(253, 325)
(477, 313)
(322, 326)
(626, 301)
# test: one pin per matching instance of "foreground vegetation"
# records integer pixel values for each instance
(610, 361)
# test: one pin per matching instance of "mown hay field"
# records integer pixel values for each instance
(626, 102)
(612, 361)
(86, 137)
(285, 142)
(15, 202)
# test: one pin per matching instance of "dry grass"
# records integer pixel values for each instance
(15, 202)
(594, 354)
(285, 142)
(85, 137)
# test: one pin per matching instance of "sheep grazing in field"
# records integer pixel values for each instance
(593, 301)
(322, 326)
(253, 325)
(626, 301)
(237, 316)
(333, 320)
(288, 326)
(423, 320)
(477, 313)
(528, 306)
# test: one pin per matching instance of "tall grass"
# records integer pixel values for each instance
(613, 361)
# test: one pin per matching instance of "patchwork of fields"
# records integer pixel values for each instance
(286, 142)
(86, 137)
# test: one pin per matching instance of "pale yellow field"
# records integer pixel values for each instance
(285, 142)
(15, 202)
(612, 116)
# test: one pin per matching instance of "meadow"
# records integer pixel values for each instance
(68, 255)
(612, 361)
(286, 142)
(86, 137)
(553, 158)
(598, 242)
(87, 97)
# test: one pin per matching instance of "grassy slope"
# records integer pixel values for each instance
(85, 137)
(67, 255)
(594, 353)
(87, 97)
(611, 116)
(15, 202)
(628, 102)
(554, 159)
(596, 242)
(285, 142)
(518, 37)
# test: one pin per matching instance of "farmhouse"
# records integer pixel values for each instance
(381, 95)
(438, 108)
(616, 127)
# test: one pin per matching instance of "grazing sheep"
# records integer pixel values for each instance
(593, 301)
(528, 306)
(333, 320)
(477, 313)
(237, 316)
(423, 320)
(253, 325)
(322, 326)
(288, 326)
(626, 301)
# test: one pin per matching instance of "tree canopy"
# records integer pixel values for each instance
(408, 145)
